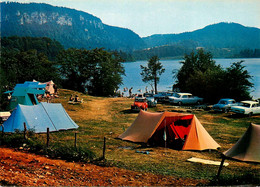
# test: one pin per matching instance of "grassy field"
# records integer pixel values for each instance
(100, 117)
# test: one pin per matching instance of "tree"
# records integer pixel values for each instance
(151, 73)
(237, 81)
(107, 73)
(26, 66)
(43, 45)
(96, 70)
(201, 76)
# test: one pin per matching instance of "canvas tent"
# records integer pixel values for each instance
(39, 117)
(25, 94)
(183, 131)
(49, 86)
(247, 147)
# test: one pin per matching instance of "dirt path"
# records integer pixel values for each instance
(20, 168)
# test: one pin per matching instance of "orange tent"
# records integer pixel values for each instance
(247, 147)
(177, 130)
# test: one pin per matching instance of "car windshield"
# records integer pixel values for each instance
(178, 95)
(246, 105)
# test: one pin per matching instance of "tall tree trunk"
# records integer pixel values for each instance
(155, 84)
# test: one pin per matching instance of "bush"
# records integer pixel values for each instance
(32, 144)
(70, 153)
(225, 180)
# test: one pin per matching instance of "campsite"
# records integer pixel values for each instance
(128, 163)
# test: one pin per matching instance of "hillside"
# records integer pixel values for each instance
(70, 27)
(221, 35)
(78, 29)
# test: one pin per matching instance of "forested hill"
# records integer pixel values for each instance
(70, 27)
(77, 29)
(221, 35)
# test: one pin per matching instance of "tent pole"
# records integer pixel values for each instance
(104, 149)
(48, 137)
(221, 165)
(25, 130)
(165, 136)
(2, 129)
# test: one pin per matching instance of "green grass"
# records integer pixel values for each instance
(224, 128)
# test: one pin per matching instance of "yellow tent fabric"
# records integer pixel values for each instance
(199, 138)
(247, 147)
(146, 124)
(143, 127)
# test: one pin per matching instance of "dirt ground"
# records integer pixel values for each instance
(24, 169)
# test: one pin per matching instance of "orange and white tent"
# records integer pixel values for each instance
(49, 86)
(247, 147)
(170, 128)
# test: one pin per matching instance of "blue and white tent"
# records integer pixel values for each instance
(39, 117)
(26, 93)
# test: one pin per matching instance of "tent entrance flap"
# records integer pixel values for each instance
(174, 130)
(32, 98)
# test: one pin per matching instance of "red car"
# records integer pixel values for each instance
(140, 103)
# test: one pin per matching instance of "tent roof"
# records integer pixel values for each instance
(147, 123)
(28, 87)
(143, 127)
(39, 118)
(247, 147)
(22, 91)
(29, 84)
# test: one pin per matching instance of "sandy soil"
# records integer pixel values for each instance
(24, 169)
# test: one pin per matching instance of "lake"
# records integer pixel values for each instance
(134, 79)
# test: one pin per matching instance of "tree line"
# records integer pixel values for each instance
(100, 72)
(201, 76)
(26, 58)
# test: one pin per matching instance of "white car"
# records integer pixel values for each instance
(185, 98)
(247, 107)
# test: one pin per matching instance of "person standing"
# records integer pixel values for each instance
(130, 92)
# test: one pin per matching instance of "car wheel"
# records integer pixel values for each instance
(198, 103)
(250, 114)
(179, 103)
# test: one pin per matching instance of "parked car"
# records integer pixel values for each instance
(140, 103)
(160, 96)
(185, 98)
(150, 99)
(168, 95)
(247, 108)
(164, 96)
(224, 105)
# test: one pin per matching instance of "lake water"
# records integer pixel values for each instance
(134, 79)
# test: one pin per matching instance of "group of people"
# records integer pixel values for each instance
(130, 92)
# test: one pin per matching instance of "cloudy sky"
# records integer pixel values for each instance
(147, 17)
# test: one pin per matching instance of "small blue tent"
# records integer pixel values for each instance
(39, 117)
(26, 93)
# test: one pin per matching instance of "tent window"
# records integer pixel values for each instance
(32, 98)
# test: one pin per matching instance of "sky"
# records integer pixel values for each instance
(148, 17)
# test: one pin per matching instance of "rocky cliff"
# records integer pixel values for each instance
(70, 27)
